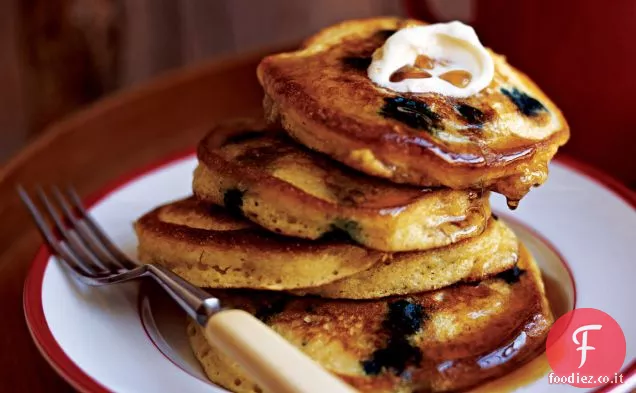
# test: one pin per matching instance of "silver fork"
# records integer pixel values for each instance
(90, 256)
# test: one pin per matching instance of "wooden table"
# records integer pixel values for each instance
(97, 145)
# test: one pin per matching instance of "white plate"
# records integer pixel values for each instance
(114, 339)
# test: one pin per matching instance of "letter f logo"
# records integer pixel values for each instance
(583, 346)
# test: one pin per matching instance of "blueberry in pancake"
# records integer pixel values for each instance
(494, 251)
(266, 177)
(211, 247)
(451, 339)
(481, 124)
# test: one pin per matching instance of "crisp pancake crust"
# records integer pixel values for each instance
(211, 248)
(446, 340)
(291, 190)
(493, 251)
(501, 138)
(208, 247)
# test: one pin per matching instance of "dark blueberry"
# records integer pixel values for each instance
(233, 201)
(395, 357)
(472, 115)
(511, 275)
(527, 105)
(404, 318)
(415, 114)
(267, 311)
(357, 62)
(494, 216)
(335, 235)
(371, 366)
(350, 227)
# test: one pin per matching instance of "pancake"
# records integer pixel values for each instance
(446, 340)
(293, 191)
(481, 256)
(210, 248)
(500, 139)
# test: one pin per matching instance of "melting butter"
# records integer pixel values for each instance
(442, 58)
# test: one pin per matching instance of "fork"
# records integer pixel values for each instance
(90, 256)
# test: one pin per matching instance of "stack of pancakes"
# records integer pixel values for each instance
(356, 221)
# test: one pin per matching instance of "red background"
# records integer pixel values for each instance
(582, 53)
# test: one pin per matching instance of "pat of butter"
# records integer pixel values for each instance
(450, 49)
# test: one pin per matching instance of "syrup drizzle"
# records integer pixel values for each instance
(538, 367)
(512, 203)
(458, 78)
(425, 62)
(503, 354)
(408, 72)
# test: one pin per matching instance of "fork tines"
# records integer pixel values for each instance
(77, 239)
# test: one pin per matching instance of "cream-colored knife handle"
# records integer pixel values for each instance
(275, 364)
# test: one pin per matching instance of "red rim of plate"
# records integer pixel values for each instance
(73, 374)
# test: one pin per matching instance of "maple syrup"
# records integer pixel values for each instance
(408, 72)
(537, 367)
(458, 78)
(512, 203)
(425, 62)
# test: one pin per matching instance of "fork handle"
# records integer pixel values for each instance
(274, 363)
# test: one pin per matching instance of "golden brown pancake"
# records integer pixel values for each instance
(501, 138)
(446, 340)
(491, 252)
(210, 248)
(291, 190)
